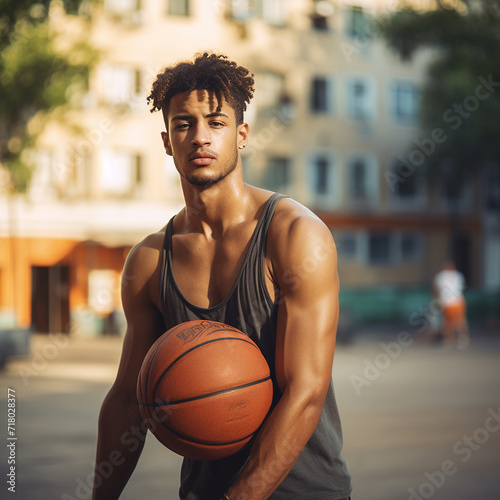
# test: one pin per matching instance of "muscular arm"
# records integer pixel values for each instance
(305, 268)
(121, 433)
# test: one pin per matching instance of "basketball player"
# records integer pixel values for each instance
(242, 256)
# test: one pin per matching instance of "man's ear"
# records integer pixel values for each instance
(243, 132)
(166, 143)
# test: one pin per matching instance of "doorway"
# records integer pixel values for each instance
(50, 299)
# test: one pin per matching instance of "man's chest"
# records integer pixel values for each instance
(205, 271)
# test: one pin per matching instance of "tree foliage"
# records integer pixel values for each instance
(36, 75)
(461, 95)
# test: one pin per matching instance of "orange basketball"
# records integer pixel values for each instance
(204, 389)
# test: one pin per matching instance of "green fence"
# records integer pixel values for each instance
(388, 305)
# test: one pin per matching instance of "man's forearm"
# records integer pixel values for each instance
(276, 449)
(120, 443)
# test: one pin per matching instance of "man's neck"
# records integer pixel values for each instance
(215, 209)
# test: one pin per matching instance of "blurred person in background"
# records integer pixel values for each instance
(449, 285)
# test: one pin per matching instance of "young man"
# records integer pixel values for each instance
(242, 256)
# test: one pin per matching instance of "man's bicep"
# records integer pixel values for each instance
(144, 323)
(308, 311)
(141, 333)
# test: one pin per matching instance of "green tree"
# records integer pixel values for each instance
(36, 74)
(461, 94)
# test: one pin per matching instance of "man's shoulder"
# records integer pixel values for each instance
(152, 243)
(144, 255)
(291, 217)
(300, 249)
(296, 233)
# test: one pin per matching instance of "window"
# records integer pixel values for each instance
(121, 173)
(358, 179)
(240, 10)
(319, 22)
(379, 248)
(408, 187)
(286, 109)
(404, 101)
(321, 95)
(126, 12)
(42, 185)
(122, 6)
(393, 248)
(322, 166)
(323, 9)
(60, 174)
(322, 177)
(121, 83)
(360, 98)
(278, 175)
(74, 172)
(357, 23)
(410, 247)
(362, 178)
(178, 7)
(347, 245)
(83, 175)
(406, 182)
(274, 12)
(270, 89)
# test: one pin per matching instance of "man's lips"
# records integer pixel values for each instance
(202, 158)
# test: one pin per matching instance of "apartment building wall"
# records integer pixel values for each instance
(333, 114)
(351, 149)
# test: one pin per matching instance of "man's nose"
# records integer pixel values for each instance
(201, 136)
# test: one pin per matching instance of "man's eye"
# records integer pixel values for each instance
(217, 124)
(182, 126)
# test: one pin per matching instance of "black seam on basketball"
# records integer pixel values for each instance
(170, 332)
(200, 441)
(219, 329)
(203, 396)
(185, 353)
(140, 395)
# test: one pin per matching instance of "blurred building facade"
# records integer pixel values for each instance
(333, 124)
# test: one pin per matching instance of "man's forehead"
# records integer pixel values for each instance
(201, 99)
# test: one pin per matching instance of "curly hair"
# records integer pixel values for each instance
(211, 72)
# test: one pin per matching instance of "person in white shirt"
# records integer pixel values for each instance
(449, 285)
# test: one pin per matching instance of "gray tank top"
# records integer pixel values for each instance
(320, 472)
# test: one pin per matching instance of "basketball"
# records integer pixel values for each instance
(204, 389)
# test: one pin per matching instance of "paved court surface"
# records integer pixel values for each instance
(419, 421)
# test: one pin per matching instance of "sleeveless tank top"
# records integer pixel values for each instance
(320, 472)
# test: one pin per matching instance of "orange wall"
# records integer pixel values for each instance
(18, 255)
